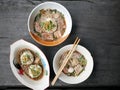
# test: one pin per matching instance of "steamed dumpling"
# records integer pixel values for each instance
(26, 58)
(35, 71)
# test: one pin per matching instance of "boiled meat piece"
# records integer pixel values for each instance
(78, 69)
(47, 36)
(57, 34)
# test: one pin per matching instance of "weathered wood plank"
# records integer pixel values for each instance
(96, 22)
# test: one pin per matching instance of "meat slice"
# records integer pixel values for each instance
(57, 34)
(78, 69)
(76, 54)
(73, 62)
(65, 70)
(47, 36)
(37, 27)
(56, 15)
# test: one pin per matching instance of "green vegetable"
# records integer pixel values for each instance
(48, 25)
(37, 17)
(82, 60)
(42, 24)
(54, 10)
(39, 34)
(62, 15)
(72, 74)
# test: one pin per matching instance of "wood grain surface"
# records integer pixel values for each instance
(95, 22)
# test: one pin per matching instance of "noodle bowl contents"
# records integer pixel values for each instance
(75, 65)
(49, 24)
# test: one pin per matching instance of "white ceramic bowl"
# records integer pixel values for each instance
(50, 5)
(24, 79)
(84, 75)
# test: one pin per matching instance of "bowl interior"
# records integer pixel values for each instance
(50, 5)
(84, 75)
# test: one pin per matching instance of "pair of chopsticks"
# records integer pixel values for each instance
(77, 40)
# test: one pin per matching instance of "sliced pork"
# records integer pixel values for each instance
(75, 65)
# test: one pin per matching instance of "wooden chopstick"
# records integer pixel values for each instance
(66, 60)
(71, 49)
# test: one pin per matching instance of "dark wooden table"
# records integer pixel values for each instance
(96, 22)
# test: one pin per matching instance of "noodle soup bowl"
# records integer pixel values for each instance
(83, 75)
(50, 5)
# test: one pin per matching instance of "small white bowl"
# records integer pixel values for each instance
(84, 75)
(50, 5)
(24, 79)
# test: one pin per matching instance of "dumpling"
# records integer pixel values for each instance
(26, 57)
